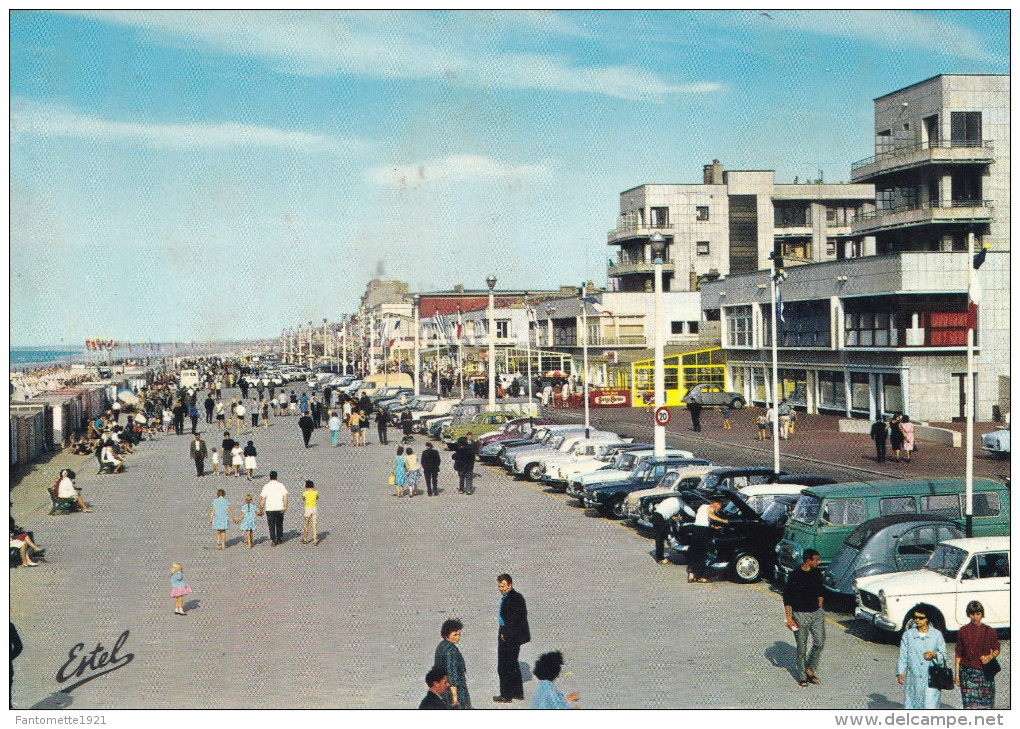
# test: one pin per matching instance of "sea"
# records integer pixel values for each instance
(36, 356)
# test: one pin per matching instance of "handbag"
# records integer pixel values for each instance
(392, 480)
(940, 677)
(991, 668)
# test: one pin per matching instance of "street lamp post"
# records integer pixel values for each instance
(778, 275)
(324, 341)
(658, 245)
(584, 358)
(973, 297)
(491, 282)
(343, 344)
(417, 351)
(310, 342)
(527, 345)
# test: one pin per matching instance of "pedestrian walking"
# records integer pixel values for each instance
(803, 602)
(879, 434)
(896, 436)
(256, 410)
(247, 519)
(354, 423)
(438, 684)
(293, 403)
(311, 497)
(770, 415)
(784, 419)
(240, 412)
(381, 424)
(250, 463)
(513, 633)
(694, 406)
(726, 417)
(464, 463)
(215, 457)
(907, 428)
(198, 452)
(221, 416)
(921, 647)
(275, 404)
(210, 405)
(236, 459)
(219, 516)
(334, 428)
(273, 503)
(265, 413)
(977, 650)
(193, 414)
(413, 476)
(547, 696)
(406, 424)
(430, 462)
(178, 588)
(307, 426)
(448, 659)
(399, 472)
(761, 423)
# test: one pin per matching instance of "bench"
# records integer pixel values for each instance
(61, 506)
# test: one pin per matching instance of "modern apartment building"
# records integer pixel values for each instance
(729, 224)
(884, 327)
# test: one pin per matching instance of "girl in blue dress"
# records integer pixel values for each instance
(247, 518)
(178, 588)
(218, 517)
(399, 471)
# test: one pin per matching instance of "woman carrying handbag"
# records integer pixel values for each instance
(922, 648)
(977, 650)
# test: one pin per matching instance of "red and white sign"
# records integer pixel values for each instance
(662, 415)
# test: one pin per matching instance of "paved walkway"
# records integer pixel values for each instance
(353, 623)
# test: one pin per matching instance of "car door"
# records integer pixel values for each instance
(914, 546)
(985, 579)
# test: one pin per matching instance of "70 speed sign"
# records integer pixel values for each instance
(662, 415)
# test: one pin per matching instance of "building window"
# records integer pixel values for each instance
(701, 212)
(831, 390)
(830, 248)
(883, 142)
(692, 327)
(502, 328)
(702, 247)
(871, 329)
(965, 128)
(660, 217)
(806, 324)
(830, 215)
(676, 327)
(738, 326)
(792, 215)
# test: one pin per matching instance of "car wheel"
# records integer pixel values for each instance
(737, 403)
(617, 508)
(533, 472)
(746, 568)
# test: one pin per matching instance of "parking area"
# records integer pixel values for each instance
(354, 622)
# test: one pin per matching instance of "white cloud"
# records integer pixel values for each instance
(458, 48)
(455, 168)
(29, 118)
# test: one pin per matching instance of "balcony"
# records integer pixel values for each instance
(904, 216)
(629, 230)
(625, 267)
(626, 340)
(925, 153)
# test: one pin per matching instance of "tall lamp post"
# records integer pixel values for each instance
(324, 360)
(417, 351)
(527, 344)
(973, 298)
(310, 342)
(658, 245)
(777, 277)
(491, 282)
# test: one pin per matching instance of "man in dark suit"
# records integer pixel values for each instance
(513, 633)
(879, 434)
(437, 682)
(199, 453)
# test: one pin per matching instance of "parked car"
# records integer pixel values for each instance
(638, 505)
(539, 439)
(825, 515)
(619, 469)
(958, 571)
(607, 498)
(894, 543)
(590, 458)
(529, 464)
(996, 442)
(492, 451)
(773, 502)
(433, 409)
(745, 547)
(714, 395)
(516, 428)
(484, 422)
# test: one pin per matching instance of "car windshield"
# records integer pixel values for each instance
(709, 482)
(624, 461)
(777, 513)
(806, 510)
(644, 472)
(946, 560)
(669, 480)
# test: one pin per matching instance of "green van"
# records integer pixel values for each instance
(825, 515)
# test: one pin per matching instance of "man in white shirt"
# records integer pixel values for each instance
(706, 519)
(239, 412)
(665, 511)
(273, 503)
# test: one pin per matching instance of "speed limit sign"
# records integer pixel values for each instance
(662, 415)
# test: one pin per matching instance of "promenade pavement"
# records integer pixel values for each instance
(354, 622)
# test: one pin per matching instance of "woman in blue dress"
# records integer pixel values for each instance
(450, 660)
(921, 647)
(218, 517)
(247, 518)
(399, 471)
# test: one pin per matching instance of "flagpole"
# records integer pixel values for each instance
(775, 374)
(527, 327)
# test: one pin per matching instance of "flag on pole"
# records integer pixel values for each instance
(396, 326)
(460, 323)
(779, 305)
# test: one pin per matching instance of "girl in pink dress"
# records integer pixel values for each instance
(907, 428)
(178, 587)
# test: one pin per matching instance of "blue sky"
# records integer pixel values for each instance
(219, 175)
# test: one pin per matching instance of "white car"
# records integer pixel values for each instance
(958, 571)
(592, 458)
(996, 442)
(623, 466)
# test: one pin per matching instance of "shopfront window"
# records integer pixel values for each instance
(892, 393)
(831, 390)
(860, 392)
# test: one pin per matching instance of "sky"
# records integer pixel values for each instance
(187, 175)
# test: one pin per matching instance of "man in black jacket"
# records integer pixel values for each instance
(430, 468)
(879, 434)
(513, 633)
(464, 463)
(307, 426)
(437, 682)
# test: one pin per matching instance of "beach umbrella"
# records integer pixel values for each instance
(127, 397)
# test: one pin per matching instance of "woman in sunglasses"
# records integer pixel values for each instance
(921, 647)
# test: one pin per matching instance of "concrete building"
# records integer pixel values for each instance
(884, 327)
(729, 224)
